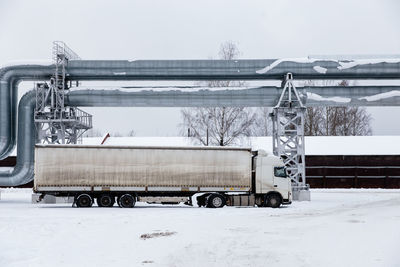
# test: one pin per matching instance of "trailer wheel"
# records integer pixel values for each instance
(126, 201)
(105, 201)
(273, 200)
(216, 201)
(84, 201)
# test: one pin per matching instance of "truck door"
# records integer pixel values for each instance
(264, 176)
(280, 178)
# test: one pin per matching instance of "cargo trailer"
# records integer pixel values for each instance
(219, 176)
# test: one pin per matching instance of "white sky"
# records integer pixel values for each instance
(194, 30)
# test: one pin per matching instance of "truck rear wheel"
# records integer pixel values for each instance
(216, 201)
(105, 201)
(126, 201)
(84, 201)
(273, 201)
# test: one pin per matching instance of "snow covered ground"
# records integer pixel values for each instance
(337, 228)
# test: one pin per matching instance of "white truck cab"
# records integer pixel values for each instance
(271, 176)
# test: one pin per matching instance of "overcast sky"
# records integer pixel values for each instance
(194, 30)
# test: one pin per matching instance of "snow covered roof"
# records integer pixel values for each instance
(315, 145)
(352, 145)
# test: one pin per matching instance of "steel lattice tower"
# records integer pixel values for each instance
(55, 122)
(288, 133)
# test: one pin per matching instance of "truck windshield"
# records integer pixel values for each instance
(280, 172)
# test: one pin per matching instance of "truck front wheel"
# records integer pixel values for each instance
(216, 201)
(273, 200)
(84, 201)
(126, 201)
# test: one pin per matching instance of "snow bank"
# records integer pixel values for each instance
(381, 96)
(296, 60)
(337, 99)
(320, 69)
(351, 64)
(342, 64)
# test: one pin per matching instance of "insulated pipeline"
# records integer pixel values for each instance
(23, 172)
(265, 96)
(10, 77)
(255, 69)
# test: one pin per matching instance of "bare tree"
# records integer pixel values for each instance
(116, 134)
(93, 133)
(352, 121)
(262, 124)
(314, 121)
(337, 120)
(132, 133)
(219, 125)
(229, 50)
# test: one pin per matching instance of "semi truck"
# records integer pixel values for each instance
(218, 176)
